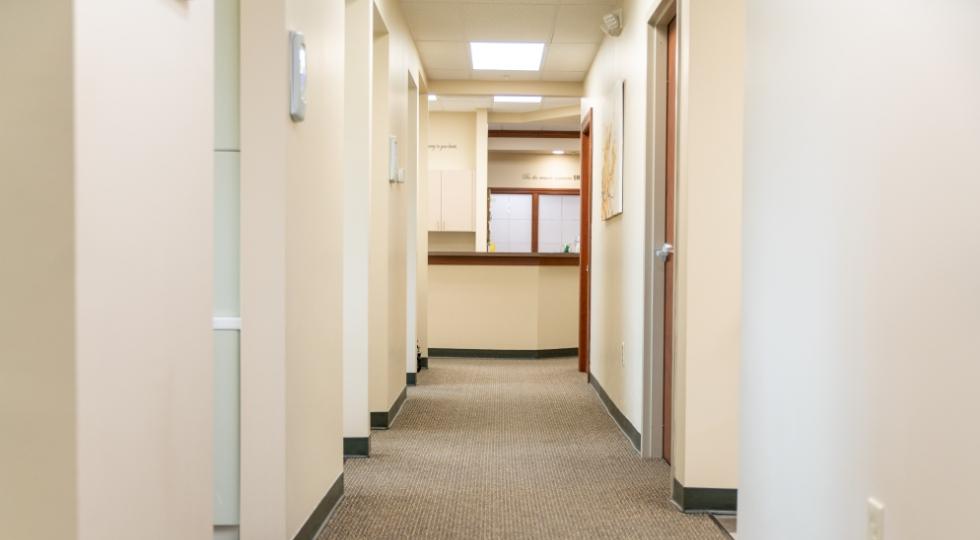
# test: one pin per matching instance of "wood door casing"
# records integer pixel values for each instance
(585, 247)
(669, 234)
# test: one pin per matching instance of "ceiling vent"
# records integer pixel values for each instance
(612, 23)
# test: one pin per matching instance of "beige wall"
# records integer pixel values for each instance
(113, 341)
(503, 307)
(708, 297)
(395, 61)
(534, 171)
(144, 267)
(37, 240)
(451, 241)
(291, 268)
(861, 293)
(448, 129)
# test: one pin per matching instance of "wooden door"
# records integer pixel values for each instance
(458, 207)
(670, 181)
(435, 201)
(585, 247)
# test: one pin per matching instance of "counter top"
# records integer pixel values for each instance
(475, 258)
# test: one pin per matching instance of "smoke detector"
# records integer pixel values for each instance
(612, 23)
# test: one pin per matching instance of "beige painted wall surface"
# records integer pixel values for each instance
(558, 307)
(144, 267)
(291, 268)
(451, 241)
(37, 240)
(452, 141)
(314, 271)
(534, 171)
(861, 293)
(379, 264)
(395, 59)
(503, 307)
(708, 300)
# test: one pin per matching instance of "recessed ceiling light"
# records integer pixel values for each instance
(517, 99)
(506, 56)
(433, 97)
(558, 152)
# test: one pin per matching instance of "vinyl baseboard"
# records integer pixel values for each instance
(311, 529)
(410, 378)
(424, 362)
(701, 500)
(625, 425)
(357, 446)
(502, 353)
(383, 420)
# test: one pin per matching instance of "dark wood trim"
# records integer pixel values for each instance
(526, 354)
(311, 529)
(628, 429)
(383, 420)
(476, 258)
(357, 446)
(529, 134)
(534, 222)
(585, 248)
(533, 191)
(700, 500)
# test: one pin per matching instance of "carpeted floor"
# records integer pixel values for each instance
(507, 449)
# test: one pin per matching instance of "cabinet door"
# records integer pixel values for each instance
(434, 210)
(457, 201)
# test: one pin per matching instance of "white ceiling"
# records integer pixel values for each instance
(569, 29)
(472, 103)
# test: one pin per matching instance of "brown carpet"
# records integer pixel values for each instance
(507, 449)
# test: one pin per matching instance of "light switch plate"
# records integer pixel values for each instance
(876, 519)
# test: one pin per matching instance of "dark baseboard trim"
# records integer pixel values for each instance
(383, 420)
(424, 362)
(410, 378)
(318, 518)
(624, 424)
(698, 500)
(357, 446)
(503, 353)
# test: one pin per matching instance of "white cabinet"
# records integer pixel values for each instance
(451, 203)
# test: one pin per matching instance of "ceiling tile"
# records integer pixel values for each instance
(509, 22)
(579, 24)
(434, 21)
(438, 55)
(569, 57)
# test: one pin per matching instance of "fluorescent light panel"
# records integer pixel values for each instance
(517, 99)
(433, 97)
(558, 152)
(506, 56)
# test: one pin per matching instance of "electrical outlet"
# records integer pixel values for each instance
(876, 519)
(622, 354)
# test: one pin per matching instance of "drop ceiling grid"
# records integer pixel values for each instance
(570, 30)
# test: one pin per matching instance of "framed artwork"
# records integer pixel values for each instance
(612, 151)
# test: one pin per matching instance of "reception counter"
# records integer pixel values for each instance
(503, 304)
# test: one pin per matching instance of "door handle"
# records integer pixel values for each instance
(664, 252)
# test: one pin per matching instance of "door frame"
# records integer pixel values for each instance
(654, 380)
(585, 247)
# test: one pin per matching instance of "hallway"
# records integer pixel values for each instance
(507, 449)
